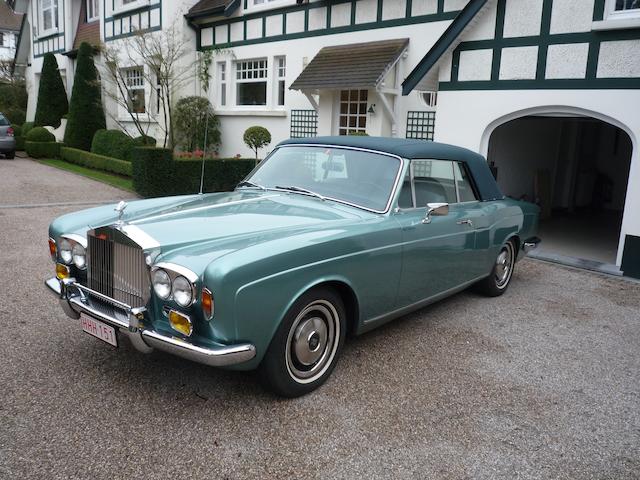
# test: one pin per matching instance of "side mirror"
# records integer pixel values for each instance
(437, 209)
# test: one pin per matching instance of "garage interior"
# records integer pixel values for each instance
(576, 169)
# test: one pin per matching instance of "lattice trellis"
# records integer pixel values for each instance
(304, 123)
(420, 125)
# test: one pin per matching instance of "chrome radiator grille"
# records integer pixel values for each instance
(117, 270)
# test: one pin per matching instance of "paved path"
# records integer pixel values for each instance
(543, 382)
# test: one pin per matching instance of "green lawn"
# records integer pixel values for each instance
(124, 183)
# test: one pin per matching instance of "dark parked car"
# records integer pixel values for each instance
(7, 140)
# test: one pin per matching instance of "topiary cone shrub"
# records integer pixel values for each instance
(52, 97)
(86, 115)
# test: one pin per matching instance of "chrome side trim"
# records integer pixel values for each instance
(146, 339)
(530, 244)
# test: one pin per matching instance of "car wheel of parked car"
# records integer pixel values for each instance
(10, 155)
(498, 282)
(305, 348)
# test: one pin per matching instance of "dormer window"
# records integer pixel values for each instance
(48, 17)
(93, 10)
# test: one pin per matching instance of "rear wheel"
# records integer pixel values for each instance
(498, 281)
(10, 155)
(305, 349)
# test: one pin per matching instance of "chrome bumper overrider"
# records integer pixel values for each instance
(75, 298)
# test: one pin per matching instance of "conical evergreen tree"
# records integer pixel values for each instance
(52, 97)
(86, 115)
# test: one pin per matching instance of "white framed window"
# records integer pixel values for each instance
(280, 74)
(134, 80)
(222, 83)
(124, 5)
(48, 17)
(352, 114)
(266, 4)
(93, 10)
(251, 82)
(430, 99)
(621, 9)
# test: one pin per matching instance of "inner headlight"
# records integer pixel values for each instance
(182, 291)
(64, 250)
(161, 283)
(79, 255)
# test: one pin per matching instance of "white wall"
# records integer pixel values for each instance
(468, 119)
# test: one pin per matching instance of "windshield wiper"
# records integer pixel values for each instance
(295, 189)
(247, 183)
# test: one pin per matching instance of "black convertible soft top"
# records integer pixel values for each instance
(415, 149)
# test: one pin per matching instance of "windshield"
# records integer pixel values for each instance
(361, 178)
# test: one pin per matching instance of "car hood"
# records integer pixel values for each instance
(193, 231)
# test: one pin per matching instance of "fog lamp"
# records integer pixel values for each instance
(207, 303)
(52, 249)
(62, 271)
(180, 323)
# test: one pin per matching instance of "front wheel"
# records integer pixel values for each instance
(305, 348)
(498, 281)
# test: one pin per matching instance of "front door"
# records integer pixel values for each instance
(439, 255)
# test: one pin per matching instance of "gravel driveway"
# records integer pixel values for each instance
(542, 382)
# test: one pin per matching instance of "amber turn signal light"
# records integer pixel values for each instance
(62, 271)
(52, 248)
(180, 323)
(207, 303)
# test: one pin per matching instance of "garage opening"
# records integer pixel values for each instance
(577, 170)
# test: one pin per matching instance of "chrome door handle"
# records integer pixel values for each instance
(466, 221)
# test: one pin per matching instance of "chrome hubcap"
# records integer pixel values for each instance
(504, 266)
(312, 341)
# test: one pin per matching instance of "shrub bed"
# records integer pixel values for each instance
(40, 134)
(20, 143)
(98, 162)
(43, 149)
(156, 173)
(112, 143)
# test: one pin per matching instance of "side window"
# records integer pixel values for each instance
(433, 182)
(465, 190)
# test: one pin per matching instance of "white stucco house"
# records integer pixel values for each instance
(548, 90)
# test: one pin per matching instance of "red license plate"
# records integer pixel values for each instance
(98, 329)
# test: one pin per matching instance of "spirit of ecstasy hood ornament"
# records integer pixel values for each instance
(120, 210)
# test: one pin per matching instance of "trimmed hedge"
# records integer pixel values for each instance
(112, 143)
(98, 162)
(20, 143)
(40, 134)
(43, 149)
(157, 174)
(26, 126)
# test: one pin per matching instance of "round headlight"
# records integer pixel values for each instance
(79, 256)
(161, 283)
(64, 250)
(182, 291)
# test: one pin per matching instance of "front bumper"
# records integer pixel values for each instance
(75, 298)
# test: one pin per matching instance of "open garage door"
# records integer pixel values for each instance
(577, 170)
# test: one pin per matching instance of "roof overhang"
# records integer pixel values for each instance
(353, 66)
(212, 8)
(425, 75)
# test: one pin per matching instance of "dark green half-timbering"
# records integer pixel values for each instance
(54, 43)
(593, 38)
(313, 19)
(146, 18)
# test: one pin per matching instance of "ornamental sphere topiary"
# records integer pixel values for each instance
(40, 134)
(86, 115)
(52, 97)
(256, 137)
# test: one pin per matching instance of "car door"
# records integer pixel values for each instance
(436, 254)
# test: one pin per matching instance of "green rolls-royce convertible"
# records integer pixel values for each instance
(326, 237)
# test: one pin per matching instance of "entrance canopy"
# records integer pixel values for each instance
(354, 66)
